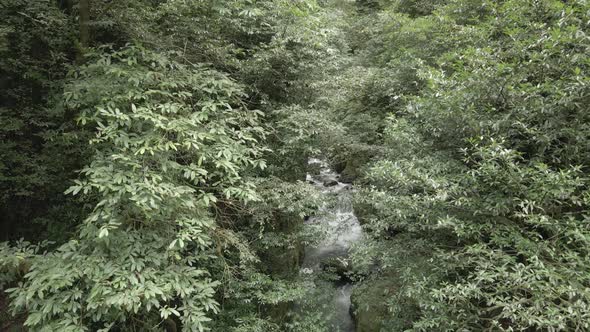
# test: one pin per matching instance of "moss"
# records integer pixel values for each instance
(285, 260)
(370, 305)
(351, 164)
(278, 312)
(314, 169)
(8, 323)
(363, 211)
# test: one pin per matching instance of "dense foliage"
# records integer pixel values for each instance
(154, 157)
(482, 175)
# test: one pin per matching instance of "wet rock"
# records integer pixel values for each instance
(330, 183)
(339, 266)
(325, 177)
(308, 217)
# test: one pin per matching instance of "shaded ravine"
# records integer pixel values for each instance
(342, 230)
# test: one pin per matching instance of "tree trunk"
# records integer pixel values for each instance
(84, 21)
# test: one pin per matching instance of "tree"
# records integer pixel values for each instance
(170, 140)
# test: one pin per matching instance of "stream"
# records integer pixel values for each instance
(342, 230)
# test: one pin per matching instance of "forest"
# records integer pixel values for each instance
(294, 165)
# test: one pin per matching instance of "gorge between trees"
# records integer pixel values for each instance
(294, 165)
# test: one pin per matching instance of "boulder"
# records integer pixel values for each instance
(341, 267)
(350, 173)
(330, 183)
(351, 164)
(364, 211)
(369, 305)
(284, 260)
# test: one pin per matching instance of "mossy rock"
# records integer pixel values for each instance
(350, 173)
(369, 306)
(350, 168)
(8, 323)
(278, 312)
(314, 169)
(363, 211)
(340, 267)
(339, 166)
(284, 261)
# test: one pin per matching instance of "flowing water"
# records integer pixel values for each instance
(342, 230)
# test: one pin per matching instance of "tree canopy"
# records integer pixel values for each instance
(155, 171)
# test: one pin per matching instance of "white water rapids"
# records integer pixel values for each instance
(342, 230)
